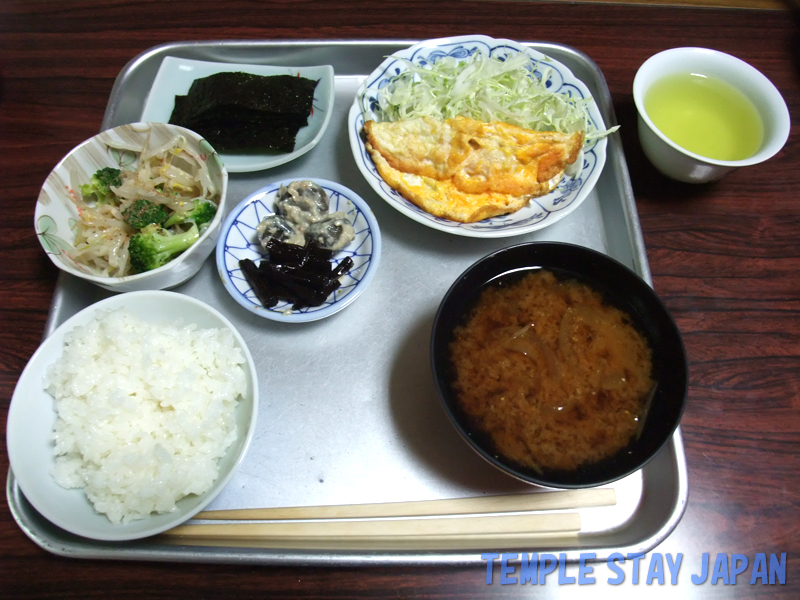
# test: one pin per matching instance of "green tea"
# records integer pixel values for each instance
(706, 116)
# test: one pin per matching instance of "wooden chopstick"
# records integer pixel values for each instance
(557, 539)
(430, 524)
(384, 529)
(562, 500)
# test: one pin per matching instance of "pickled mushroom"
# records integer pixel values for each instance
(302, 203)
(301, 216)
(279, 228)
(334, 233)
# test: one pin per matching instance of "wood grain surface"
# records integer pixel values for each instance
(725, 257)
(757, 4)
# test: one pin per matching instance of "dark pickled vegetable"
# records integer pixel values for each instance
(300, 275)
(311, 257)
(259, 286)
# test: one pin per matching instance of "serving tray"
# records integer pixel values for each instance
(349, 412)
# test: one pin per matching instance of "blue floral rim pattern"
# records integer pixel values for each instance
(239, 240)
(541, 211)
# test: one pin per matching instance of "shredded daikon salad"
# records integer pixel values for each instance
(485, 89)
(169, 175)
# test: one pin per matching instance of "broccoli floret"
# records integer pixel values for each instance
(99, 183)
(154, 247)
(142, 213)
(202, 213)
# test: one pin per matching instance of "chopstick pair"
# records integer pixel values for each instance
(462, 518)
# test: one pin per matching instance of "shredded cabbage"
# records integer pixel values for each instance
(168, 175)
(485, 89)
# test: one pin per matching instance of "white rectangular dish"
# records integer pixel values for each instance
(175, 77)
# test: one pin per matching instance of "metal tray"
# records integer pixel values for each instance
(349, 412)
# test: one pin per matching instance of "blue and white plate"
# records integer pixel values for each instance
(176, 75)
(238, 240)
(540, 212)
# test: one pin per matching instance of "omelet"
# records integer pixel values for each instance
(466, 170)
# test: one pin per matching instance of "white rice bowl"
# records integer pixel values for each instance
(145, 405)
(145, 411)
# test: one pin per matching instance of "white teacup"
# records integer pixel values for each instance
(681, 164)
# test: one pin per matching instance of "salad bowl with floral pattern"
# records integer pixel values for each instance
(540, 212)
(60, 202)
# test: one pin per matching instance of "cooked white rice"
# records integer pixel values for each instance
(145, 411)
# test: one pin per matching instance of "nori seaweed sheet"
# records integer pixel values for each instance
(245, 112)
(232, 128)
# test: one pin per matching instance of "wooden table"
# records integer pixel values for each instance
(725, 257)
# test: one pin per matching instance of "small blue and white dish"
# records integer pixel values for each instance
(238, 240)
(540, 212)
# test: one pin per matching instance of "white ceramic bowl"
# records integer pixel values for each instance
(31, 418)
(175, 77)
(56, 213)
(540, 212)
(681, 164)
(238, 241)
